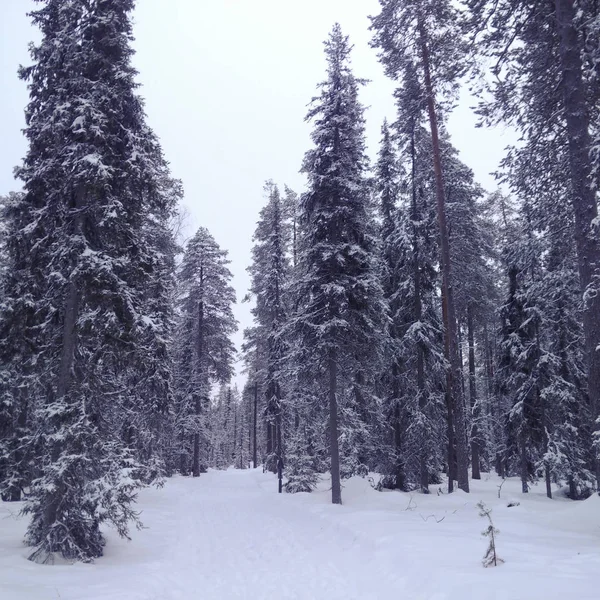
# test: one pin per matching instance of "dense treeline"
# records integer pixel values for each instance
(406, 321)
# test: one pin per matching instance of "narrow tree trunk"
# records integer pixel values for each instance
(234, 452)
(199, 392)
(336, 486)
(254, 428)
(548, 482)
(454, 389)
(449, 412)
(397, 421)
(584, 199)
(461, 359)
(473, 395)
(279, 446)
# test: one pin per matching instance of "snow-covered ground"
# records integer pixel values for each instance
(230, 535)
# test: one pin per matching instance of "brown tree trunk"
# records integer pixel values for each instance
(473, 396)
(584, 200)
(449, 413)
(336, 486)
(450, 330)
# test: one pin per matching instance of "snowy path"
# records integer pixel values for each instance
(229, 535)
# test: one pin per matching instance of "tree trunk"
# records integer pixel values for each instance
(473, 396)
(449, 413)
(69, 344)
(279, 446)
(397, 420)
(199, 392)
(584, 199)
(450, 331)
(254, 428)
(336, 486)
(548, 482)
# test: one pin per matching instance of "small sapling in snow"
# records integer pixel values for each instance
(490, 559)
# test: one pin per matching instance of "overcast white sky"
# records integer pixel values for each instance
(226, 84)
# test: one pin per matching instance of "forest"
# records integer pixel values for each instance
(409, 326)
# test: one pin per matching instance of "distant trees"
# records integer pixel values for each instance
(203, 348)
(404, 320)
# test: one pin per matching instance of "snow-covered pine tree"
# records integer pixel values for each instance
(472, 252)
(422, 40)
(549, 90)
(204, 352)
(341, 312)
(270, 272)
(565, 407)
(393, 259)
(14, 471)
(521, 352)
(417, 314)
(74, 311)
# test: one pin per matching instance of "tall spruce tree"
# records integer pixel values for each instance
(74, 316)
(204, 352)
(270, 272)
(387, 187)
(421, 41)
(341, 311)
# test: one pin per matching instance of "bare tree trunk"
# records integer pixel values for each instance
(279, 444)
(584, 199)
(548, 482)
(199, 392)
(454, 389)
(234, 452)
(449, 413)
(397, 421)
(254, 428)
(475, 466)
(336, 486)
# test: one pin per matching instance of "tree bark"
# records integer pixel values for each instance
(583, 197)
(450, 331)
(199, 392)
(336, 486)
(397, 420)
(475, 466)
(254, 428)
